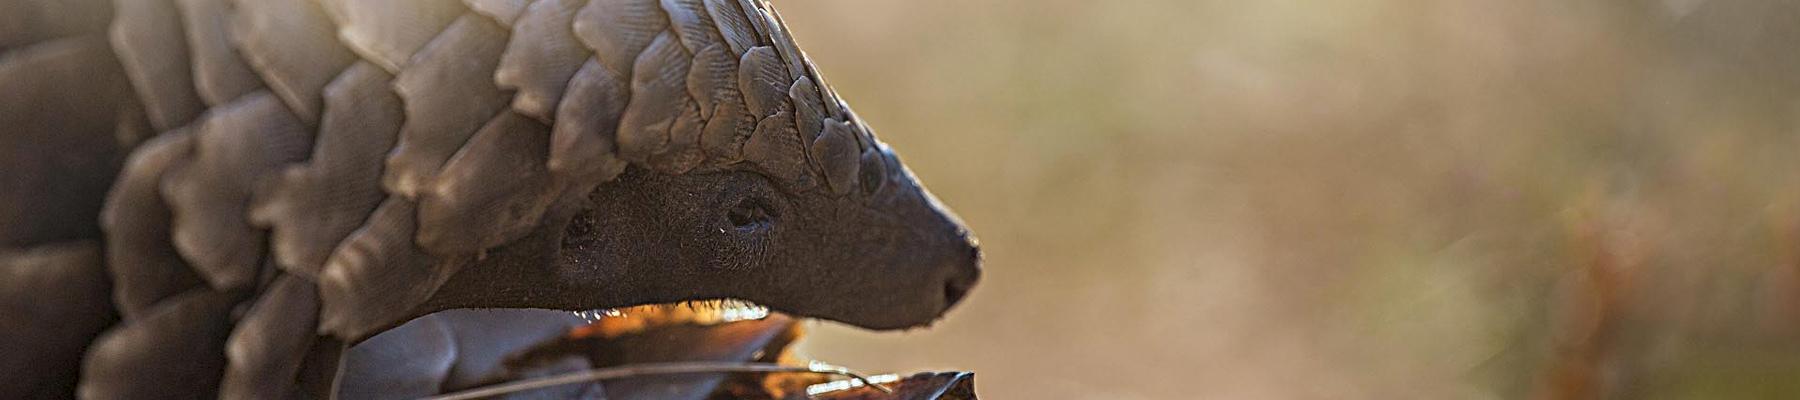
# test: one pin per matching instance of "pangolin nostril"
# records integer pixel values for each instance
(959, 286)
(954, 294)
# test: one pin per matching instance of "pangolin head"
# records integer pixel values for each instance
(735, 172)
(874, 250)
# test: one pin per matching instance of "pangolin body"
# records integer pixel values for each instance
(215, 196)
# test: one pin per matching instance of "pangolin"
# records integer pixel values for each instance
(215, 198)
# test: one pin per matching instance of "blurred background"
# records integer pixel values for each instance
(1344, 199)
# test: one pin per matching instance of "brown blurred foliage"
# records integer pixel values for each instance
(1345, 199)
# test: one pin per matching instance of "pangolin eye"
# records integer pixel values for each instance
(750, 215)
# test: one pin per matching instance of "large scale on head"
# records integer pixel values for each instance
(309, 173)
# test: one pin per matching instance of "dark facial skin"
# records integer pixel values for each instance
(883, 256)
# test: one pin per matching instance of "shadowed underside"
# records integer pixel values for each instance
(302, 174)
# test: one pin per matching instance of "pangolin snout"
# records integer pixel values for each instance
(964, 273)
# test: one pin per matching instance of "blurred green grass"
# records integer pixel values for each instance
(1361, 199)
